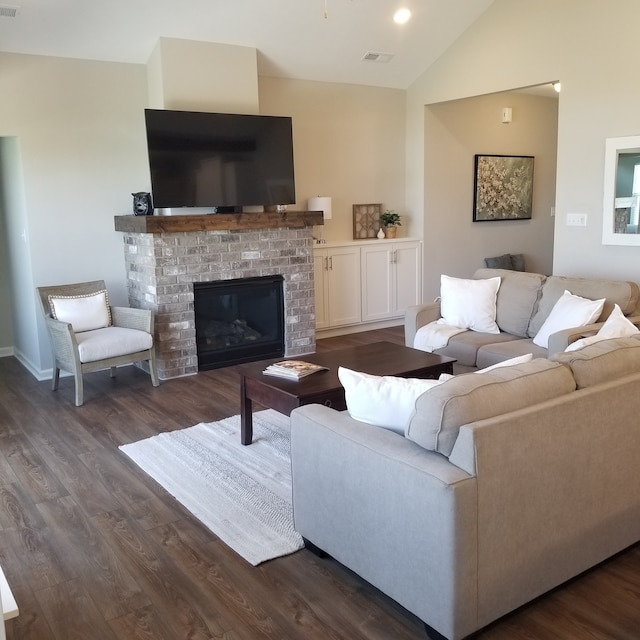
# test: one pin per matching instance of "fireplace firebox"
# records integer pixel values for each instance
(239, 320)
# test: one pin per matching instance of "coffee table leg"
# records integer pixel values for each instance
(246, 415)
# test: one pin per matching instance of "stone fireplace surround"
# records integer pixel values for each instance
(165, 255)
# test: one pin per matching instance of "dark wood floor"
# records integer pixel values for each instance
(94, 550)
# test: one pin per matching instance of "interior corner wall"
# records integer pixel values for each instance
(517, 43)
(458, 130)
(203, 76)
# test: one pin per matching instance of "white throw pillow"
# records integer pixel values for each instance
(84, 312)
(570, 311)
(469, 304)
(615, 326)
(384, 401)
(505, 363)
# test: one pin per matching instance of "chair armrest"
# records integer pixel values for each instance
(131, 318)
(416, 317)
(63, 343)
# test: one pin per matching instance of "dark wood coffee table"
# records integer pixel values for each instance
(323, 387)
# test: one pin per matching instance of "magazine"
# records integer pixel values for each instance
(293, 369)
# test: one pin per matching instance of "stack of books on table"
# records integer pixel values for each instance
(292, 369)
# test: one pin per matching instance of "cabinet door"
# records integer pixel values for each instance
(344, 286)
(377, 282)
(407, 261)
(321, 285)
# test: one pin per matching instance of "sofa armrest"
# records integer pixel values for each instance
(416, 317)
(560, 340)
(360, 491)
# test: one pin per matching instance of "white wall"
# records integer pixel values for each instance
(589, 47)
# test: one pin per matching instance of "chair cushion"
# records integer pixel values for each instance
(84, 312)
(466, 346)
(441, 411)
(111, 342)
(496, 352)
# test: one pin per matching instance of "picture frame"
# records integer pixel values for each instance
(503, 188)
(366, 221)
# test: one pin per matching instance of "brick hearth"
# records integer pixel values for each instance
(161, 269)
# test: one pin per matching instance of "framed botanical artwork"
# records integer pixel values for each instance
(366, 221)
(503, 188)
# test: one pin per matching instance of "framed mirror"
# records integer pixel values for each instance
(621, 212)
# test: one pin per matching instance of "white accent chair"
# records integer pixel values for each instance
(89, 335)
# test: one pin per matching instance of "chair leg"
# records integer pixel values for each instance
(153, 372)
(55, 378)
(79, 389)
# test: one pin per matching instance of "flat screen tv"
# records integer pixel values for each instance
(219, 160)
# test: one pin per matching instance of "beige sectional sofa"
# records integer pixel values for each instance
(507, 484)
(524, 301)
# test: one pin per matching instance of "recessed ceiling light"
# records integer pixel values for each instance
(401, 16)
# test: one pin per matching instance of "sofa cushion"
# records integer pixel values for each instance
(615, 326)
(84, 312)
(517, 298)
(441, 411)
(625, 294)
(495, 352)
(569, 311)
(527, 357)
(469, 304)
(465, 346)
(384, 401)
(602, 361)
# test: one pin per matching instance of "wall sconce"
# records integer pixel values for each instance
(506, 115)
(320, 203)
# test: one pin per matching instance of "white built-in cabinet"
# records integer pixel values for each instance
(366, 282)
(391, 279)
(337, 286)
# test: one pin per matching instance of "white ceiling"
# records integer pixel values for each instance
(292, 37)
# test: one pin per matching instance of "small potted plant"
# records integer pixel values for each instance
(391, 221)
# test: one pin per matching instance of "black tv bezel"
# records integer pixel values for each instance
(216, 126)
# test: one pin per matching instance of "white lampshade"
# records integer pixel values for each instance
(321, 203)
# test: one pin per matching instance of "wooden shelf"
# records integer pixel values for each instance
(217, 222)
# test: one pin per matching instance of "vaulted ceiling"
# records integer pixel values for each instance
(324, 40)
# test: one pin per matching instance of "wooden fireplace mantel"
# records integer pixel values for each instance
(217, 222)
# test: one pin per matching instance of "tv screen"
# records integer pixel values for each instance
(220, 160)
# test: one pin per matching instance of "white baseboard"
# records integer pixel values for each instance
(5, 352)
(358, 328)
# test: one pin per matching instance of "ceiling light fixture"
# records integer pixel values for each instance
(556, 86)
(402, 16)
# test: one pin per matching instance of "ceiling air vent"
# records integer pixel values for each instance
(8, 11)
(376, 56)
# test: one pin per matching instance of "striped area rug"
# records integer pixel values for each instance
(241, 493)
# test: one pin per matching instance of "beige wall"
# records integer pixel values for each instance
(348, 144)
(457, 130)
(589, 46)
